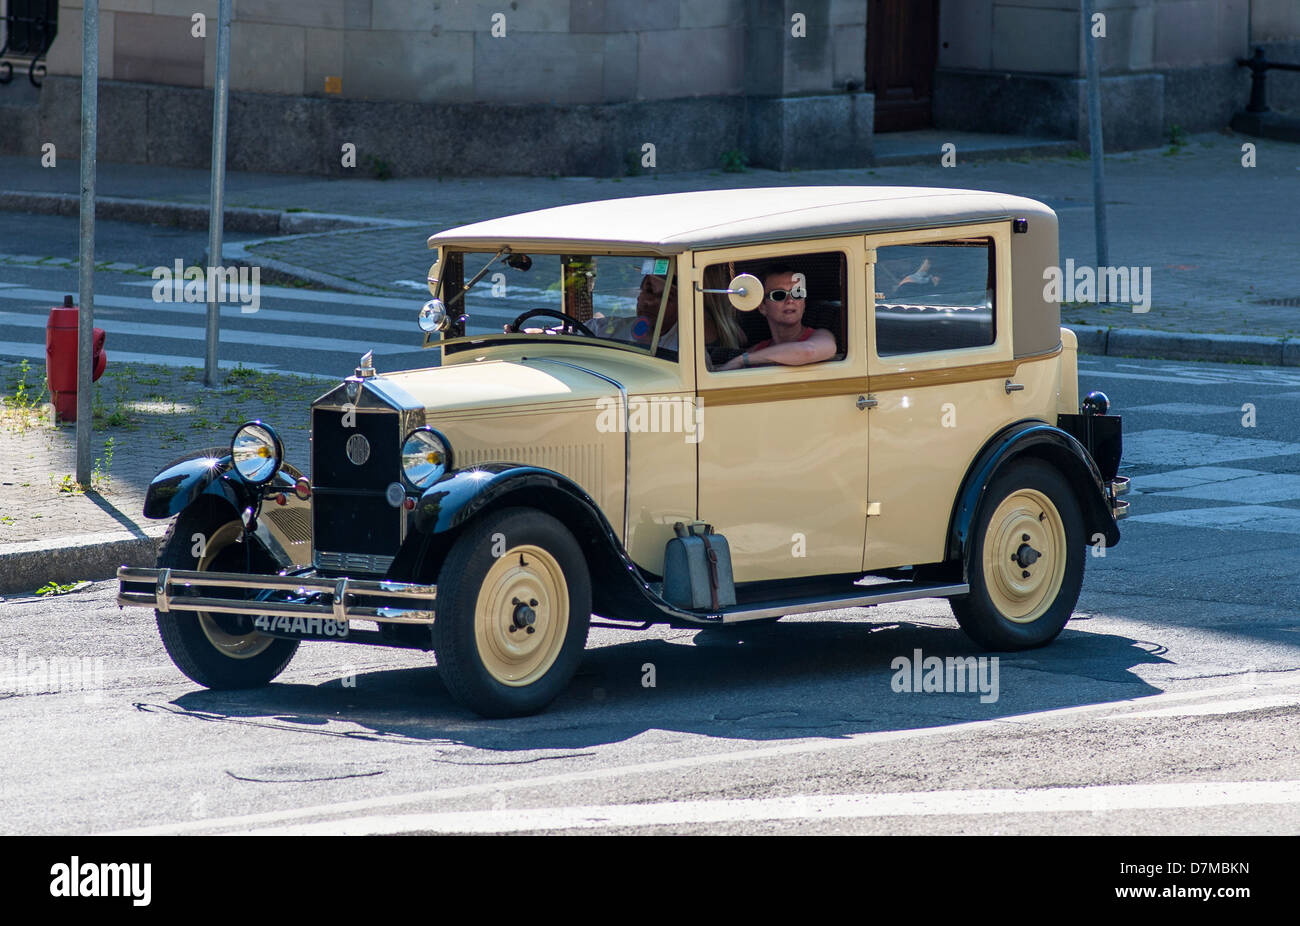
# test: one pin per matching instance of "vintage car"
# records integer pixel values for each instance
(698, 409)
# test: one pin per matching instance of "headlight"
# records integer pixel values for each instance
(433, 316)
(426, 456)
(257, 452)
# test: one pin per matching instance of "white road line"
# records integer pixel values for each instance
(229, 311)
(805, 747)
(296, 342)
(42, 298)
(20, 349)
(816, 807)
(1237, 706)
(316, 295)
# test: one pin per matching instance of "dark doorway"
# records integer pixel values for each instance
(902, 50)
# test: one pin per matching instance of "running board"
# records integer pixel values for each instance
(882, 593)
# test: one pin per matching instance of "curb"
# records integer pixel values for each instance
(194, 216)
(1177, 345)
(29, 565)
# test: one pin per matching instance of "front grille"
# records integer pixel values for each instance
(349, 512)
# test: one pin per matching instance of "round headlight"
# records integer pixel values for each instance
(433, 316)
(426, 456)
(257, 452)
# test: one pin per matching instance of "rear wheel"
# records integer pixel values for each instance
(1024, 561)
(513, 609)
(217, 650)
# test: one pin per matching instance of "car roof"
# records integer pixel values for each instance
(674, 222)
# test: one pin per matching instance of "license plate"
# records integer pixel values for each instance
(302, 626)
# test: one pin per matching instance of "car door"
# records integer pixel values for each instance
(940, 369)
(782, 459)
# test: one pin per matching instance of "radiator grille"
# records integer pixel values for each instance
(349, 511)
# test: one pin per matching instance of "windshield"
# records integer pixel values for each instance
(617, 298)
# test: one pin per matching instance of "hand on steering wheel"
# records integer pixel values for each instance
(571, 323)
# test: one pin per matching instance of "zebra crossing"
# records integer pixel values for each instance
(299, 331)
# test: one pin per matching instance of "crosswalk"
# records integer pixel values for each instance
(298, 331)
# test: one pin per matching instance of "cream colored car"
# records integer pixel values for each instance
(863, 391)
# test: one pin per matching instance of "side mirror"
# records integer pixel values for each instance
(745, 292)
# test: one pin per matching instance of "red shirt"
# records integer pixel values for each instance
(803, 336)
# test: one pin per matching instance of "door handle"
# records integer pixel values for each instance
(1013, 387)
(865, 402)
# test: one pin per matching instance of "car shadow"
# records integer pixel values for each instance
(771, 683)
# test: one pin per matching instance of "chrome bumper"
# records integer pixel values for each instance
(322, 597)
(1117, 487)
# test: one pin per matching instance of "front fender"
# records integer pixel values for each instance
(204, 472)
(458, 496)
(1038, 439)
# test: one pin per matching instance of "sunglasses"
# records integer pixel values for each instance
(781, 295)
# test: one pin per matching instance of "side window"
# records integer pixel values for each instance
(935, 296)
(800, 321)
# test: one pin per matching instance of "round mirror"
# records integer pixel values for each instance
(433, 316)
(745, 292)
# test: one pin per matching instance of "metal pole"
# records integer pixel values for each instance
(86, 274)
(216, 209)
(1094, 138)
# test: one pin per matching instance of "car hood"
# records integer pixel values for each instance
(502, 384)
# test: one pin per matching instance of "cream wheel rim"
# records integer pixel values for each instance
(236, 646)
(1024, 556)
(523, 591)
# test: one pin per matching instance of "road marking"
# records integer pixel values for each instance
(1164, 446)
(805, 747)
(228, 335)
(1185, 408)
(20, 349)
(1189, 478)
(1237, 706)
(318, 295)
(229, 311)
(1230, 517)
(816, 807)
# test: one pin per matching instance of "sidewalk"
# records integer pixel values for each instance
(50, 530)
(1179, 211)
(1221, 240)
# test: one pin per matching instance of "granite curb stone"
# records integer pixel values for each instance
(29, 565)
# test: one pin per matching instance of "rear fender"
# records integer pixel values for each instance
(1035, 439)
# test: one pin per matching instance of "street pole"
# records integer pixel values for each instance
(86, 270)
(216, 208)
(1094, 138)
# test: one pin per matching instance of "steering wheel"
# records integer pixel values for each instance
(572, 323)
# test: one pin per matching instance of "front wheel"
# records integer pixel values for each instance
(217, 650)
(513, 609)
(1024, 561)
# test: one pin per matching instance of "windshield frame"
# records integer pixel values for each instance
(438, 286)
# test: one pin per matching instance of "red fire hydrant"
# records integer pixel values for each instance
(61, 358)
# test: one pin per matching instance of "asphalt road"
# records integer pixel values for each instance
(1168, 705)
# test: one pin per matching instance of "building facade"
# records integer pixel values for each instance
(455, 87)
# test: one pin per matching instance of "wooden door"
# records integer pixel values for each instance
(902, 50)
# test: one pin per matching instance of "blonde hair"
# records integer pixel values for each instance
(719, 310)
